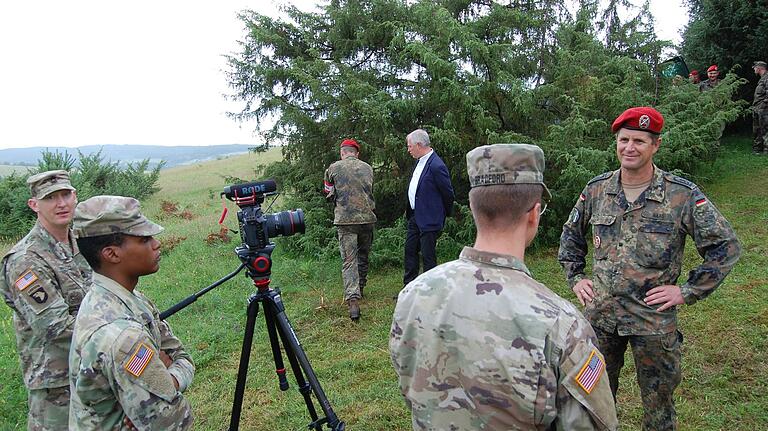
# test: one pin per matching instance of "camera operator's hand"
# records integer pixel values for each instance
(167, 361)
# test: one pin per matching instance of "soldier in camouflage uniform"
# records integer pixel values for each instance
(712, 81)
(349, 185)
(477, 343)
(639, 216)
(43, 278)
(126, 366)
(760, 109)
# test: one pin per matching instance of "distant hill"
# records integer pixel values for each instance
(125, 154)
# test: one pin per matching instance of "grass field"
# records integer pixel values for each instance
(9, 169)
(725, 357)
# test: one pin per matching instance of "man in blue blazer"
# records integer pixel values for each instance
(430, 200)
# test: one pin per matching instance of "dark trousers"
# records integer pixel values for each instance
(760, 130)
(657, 361)
(417, 242)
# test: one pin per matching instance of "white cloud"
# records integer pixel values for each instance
(91, 72)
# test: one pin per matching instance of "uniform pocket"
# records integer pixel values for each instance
(654, 238)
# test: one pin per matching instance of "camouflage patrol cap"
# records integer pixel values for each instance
(506, 164)
(45, 183)
(762, 64)
(105, 215)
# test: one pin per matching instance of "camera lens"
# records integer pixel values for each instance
(285, 223)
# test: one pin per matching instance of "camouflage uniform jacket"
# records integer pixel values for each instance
(479, 344)
(639, 245)
(44, 281)
(349, 184)
(116, 369)
(707, 85)
(760, 102)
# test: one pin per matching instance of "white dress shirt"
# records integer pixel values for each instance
(415, 178)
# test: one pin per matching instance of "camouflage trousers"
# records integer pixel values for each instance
(48, 409)
(760, 130)
(657, 361)
(354, 243)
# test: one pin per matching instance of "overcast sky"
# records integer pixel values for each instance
(88, 72)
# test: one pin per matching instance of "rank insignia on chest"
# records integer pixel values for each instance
(139, 360)
(26, 280)
(590, 372)
(596, 241)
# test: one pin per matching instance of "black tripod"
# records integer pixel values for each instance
(258, 265)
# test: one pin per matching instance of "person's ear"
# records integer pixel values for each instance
(32, 204)
(110, 254)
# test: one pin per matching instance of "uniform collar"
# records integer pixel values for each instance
(126, 297)
(496, 259)
(654, 192)
(63, 251)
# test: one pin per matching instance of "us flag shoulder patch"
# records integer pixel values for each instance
(25, 280)
(700, 202)
(591, 371)
(140, 359)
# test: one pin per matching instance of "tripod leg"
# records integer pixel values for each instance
(245, 356)
(275, 344)
(284, 326)
(304, 387)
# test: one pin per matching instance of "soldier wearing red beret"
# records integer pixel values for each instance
(713, 81)
(349, 185)
(693, 77)
(639, 217)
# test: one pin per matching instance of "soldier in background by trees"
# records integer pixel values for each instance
(760, 109)
(712, 79)
(348, 184)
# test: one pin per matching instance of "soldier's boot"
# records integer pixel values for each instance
(354, 309)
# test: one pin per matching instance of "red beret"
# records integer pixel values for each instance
(643, 118)
(712, 68)
(350, 143)
(694, 72)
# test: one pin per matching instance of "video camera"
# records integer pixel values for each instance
(256, 228)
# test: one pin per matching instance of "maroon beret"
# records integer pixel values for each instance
(350, 143)
(694, 72)
(642, 118)
(712, 68)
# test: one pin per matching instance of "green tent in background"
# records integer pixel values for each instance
(673, 66)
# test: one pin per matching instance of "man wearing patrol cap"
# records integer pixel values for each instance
(712, 81)
(639, 216)
(43, 278)
(127, 369)
(348, 184)
(760, 109)
(477, 343)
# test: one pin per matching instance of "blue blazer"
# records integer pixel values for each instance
(434, 196)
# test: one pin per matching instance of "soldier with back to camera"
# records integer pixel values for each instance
(477, 343)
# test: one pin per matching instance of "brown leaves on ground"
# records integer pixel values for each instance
(171, 209)
(221, 236)
(169, 242)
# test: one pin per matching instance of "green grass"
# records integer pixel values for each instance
(724, 358)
